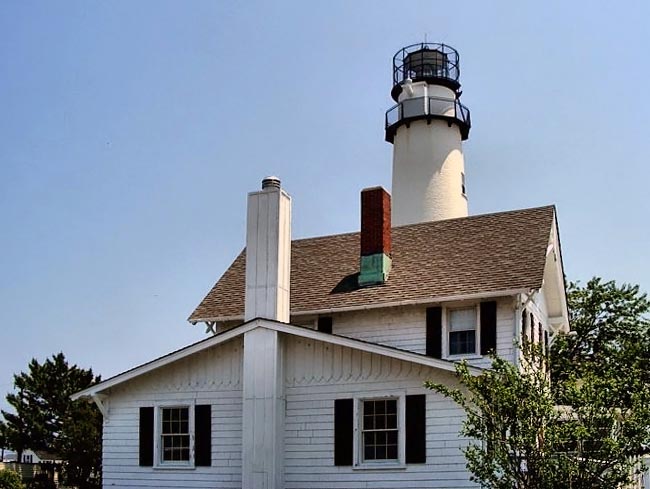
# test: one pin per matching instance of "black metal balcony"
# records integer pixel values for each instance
(427, 108)
(431, 62)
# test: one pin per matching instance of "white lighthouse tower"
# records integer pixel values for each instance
(427, 127)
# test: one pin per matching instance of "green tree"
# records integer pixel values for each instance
(587, 427)
(610, 335)
(45, 418)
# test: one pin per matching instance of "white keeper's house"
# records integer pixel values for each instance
(312, 374)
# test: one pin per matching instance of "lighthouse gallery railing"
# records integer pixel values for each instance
(427, 108)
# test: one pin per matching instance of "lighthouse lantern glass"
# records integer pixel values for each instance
(426, 63)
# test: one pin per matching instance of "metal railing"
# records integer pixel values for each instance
(426, 60)
(428, 108)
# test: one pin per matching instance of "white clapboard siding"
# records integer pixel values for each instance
(399, 327)
(318, 373)
(210, 377)
(405, 328)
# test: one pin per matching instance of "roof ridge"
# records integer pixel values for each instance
(428, 223)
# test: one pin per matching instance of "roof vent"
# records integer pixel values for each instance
(270, 183)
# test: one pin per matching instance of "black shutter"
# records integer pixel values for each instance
(146, 436)
(524, 330)
(343, 431)
(416, 429)
(325, 324)
(488, 327)
(434, 332)
(203, 435)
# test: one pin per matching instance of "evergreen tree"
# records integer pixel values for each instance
(46, 419)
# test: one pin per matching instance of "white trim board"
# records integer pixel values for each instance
(276, 326)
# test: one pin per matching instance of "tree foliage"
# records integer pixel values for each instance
(587, 427)
(10, 480)
(46, 419)
(610, 336)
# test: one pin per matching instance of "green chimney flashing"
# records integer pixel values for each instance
(374, 269)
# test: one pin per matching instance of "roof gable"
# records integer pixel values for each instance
(473, 255)
(274, 325)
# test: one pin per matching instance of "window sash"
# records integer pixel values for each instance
(462, 342)
(380, 430)
(174, 434)
(462, 319)
(462, 331)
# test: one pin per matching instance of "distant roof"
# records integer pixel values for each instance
(484, 254)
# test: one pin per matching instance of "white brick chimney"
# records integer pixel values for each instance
(268, 252)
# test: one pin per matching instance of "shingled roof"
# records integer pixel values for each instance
(474, 255)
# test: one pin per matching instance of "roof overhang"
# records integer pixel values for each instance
(554, 285)
(429, 301)
(96, 390)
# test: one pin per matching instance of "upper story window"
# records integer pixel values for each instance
(462, 325)
(461, 330)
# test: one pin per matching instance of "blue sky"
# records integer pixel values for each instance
(130, 133)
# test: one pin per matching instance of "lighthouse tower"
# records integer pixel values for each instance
(427, 127)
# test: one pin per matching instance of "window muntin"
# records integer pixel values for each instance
(175, 434)
(380, 430)
(462, 331)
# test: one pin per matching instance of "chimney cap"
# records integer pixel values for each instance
(270, 182)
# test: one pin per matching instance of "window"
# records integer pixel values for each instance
(379, 429)
(462, 184)
(175, 434)
(454, 331)
(462, 331)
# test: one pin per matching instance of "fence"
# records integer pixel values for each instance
(32, 472)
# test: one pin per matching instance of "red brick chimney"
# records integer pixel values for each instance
(375, 236)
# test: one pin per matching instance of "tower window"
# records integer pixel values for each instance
(462, 183)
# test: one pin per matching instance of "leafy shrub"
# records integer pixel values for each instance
(10, 480)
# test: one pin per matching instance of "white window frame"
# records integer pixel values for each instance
(180, 464)
(357, 445)
(446, 330)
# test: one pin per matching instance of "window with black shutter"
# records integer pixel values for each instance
(176, 436)
(380, 431)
